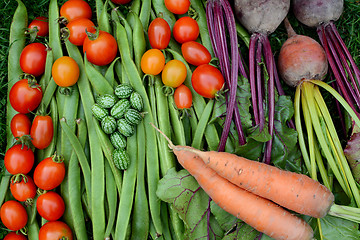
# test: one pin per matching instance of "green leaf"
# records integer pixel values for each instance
(285, 152)
(251, 150)
(191, 203)
(337, 228)
(243, 96)
(260, 135)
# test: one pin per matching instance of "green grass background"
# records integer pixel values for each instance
(348, 26)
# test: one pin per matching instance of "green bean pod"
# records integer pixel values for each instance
(99, 6)
(145, 14)
(97, 80)
(151, 153)
(134, 9)
(74, 185)
(152, 96)
(45, 78)
(109, 74)
(33, 231)
(176, 123)
(103, 20)
(54, 30)
(127, 191)
(139, 42)
(111, 196)
(140, 215)
(162, 11)
(165, 221)
(49, 151)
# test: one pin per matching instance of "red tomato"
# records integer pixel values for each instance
(174, 73)
(33, 59)
(19, 160)
(13, 215)
(55, 230)
(72, 10)
(25, 190)
(195, 53)
(177, 6)
(50, 206)
(42, 131)
(182, 97)
(121, 1)
(207, 80)
(185, 29)
(14, 236)
(20, 125)
(65, 71)
(152, 62)
(77, 29)
(102, 50)
(49, 174)
(40, 25)
(25, 96)
(159, 33)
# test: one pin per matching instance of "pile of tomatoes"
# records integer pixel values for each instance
(206, 79)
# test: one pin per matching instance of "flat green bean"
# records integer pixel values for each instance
(165, 221)
(139, 42)
(178, 128)
(109, 74)
(45, 78)
(111, 196)
(145, 14)
(135, 9)
(103, 20)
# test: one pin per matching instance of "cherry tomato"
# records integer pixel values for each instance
(15, 236)
(72, 10)
(182, 97)
(49, 174)
(174, 73)
(20, 125)
(207, 80)
(13, 215)
(55, 230)
(177, 6)
(185, 29)
(121, 1)
(152, 62)
(77, 29)
(50, 206)
(42, 131)
(65, 71)
(23, 190)
(19, 160)
(195, 53)
(25, 96)
(102, 50)
(40, 25)
(33, 59)
(159, 33)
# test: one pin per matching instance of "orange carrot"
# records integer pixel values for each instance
(294, 191)
(260, 213)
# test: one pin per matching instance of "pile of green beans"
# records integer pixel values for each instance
(101, 201)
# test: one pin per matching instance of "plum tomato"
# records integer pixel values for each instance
(19, 160)
(207, 80)
(186, 29)
(49, 173)
(174, 73)
(55, 230)
(50, 206)
(65, 71)
(152, 62)
(195, 53)
(182, 97)
(15, 236)
(24, 189)
(100, 50)
(42, 131)
(159, 33)
(20, 125)
(25, 95)
(13, 215)
(33, 59)
(177, 6)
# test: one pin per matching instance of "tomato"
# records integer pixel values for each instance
(14, 236)
(152, 62)
(49, 174)
(207, 80)
(25, 96)
(195, 53)
(42, 131)
(182, 97)
(77, 29)
(159, 33)
(19, 160)
(33, 59)
(185, 29)
(72, 10)
(20, 125)
(65, 71)
(55, 230)
(177, 6)
(13, 215)
(174, 73)
(121, 1)
(23, 190)
(50, 206)
(40, 25)
(102, 50)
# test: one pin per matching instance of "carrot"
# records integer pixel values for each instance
(260, 213)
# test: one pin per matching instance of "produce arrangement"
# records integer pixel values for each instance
(179, 119)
